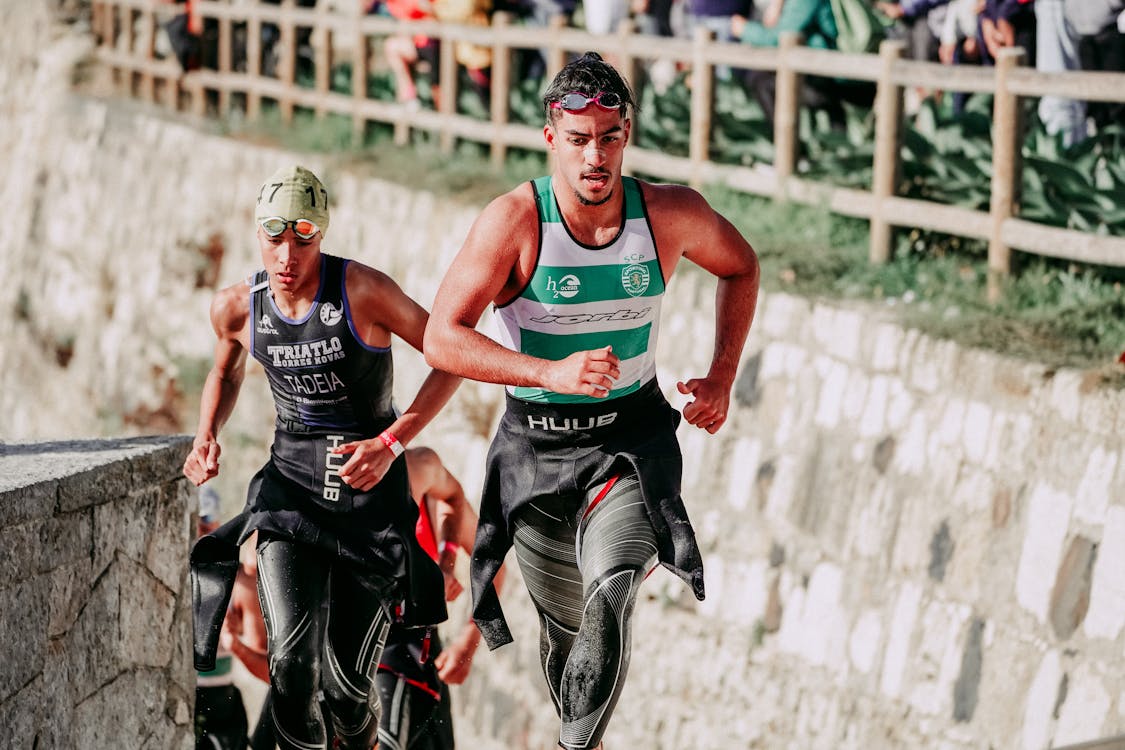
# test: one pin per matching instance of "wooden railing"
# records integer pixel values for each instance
(132, 59)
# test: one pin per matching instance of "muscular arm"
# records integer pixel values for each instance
(493, 265)
(229, 313)
(456, 523)
(381, 308)
(697, 232)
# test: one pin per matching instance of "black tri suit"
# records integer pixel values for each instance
(336, 566)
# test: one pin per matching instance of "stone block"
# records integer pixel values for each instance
(93, 644)
(978, 428)
(24, 504)
(1070, 596)
(1083, 714)
(171, 533)
(19, 554)
(58, 696)
(65, 539)
(901, 406)
(1099, 411)
(935, 663)
(1042, 700)
(1065, 397)
(859, 385)
(94, 486)
(866, 644)
(889, 338)
(127, 708)
(813, 625)
(900, 642)
(1106, 615)
(22, 631)
(162, 464)
(952, 426)
(746, 457)
(147, 610)
(1094, 493)
(967, 688)
(781, 315)
(873, 422)
(125, 525)
(21, 717)
(1048, 518)
(70, 587)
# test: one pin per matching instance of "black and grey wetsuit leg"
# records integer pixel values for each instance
(583, 572)
(321, 651)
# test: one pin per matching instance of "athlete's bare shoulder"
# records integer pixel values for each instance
(512, 216)
(230, 309)
(361, 278)
(673, 202)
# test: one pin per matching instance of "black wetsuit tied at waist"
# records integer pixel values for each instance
(555, 449)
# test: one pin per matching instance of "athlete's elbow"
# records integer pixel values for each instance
(434, 348)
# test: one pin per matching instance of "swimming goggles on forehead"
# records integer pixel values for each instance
(275, 226)
(575, 101)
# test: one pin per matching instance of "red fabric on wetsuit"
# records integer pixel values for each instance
(424, 530)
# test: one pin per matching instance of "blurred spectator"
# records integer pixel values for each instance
(813, 19)
(958, 37)
(1100, 27)
(604, 16)
(654, 17)
(1056, 50)
(475, 58)
(1007, 23)
(405, 54)
(541, 13)
(717, 16)
(918, 23)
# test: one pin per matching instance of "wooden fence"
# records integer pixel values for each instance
(131, 56)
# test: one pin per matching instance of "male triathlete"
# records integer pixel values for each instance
(337, 557)
(584, 472)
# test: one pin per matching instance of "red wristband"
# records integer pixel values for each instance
(392, 443)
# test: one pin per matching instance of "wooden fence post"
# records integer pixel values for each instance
(1007, 125)
(628, 67)
(322, 39)
(447, 93)
(126, 40)
(287, 65)
(702, 102)
(786, 115)
(501, 88)
(556, 55)
(360, 61)
(226, 64)
(887, 162)
(148, 53)
(253, 67)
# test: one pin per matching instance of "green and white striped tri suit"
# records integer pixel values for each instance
(583, 297)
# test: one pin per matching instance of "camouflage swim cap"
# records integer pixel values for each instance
(293, 193)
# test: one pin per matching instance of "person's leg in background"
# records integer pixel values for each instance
(1056, 51)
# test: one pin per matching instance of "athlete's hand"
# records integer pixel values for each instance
(369, 462)
(587, 373)
(203, 461)
(455, 661)
(708, 411)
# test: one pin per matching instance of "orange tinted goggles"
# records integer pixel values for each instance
(275, 226)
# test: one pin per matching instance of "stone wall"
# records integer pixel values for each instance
(907, 544)
(95, 620)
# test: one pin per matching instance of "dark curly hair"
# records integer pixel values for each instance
(588, 75)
